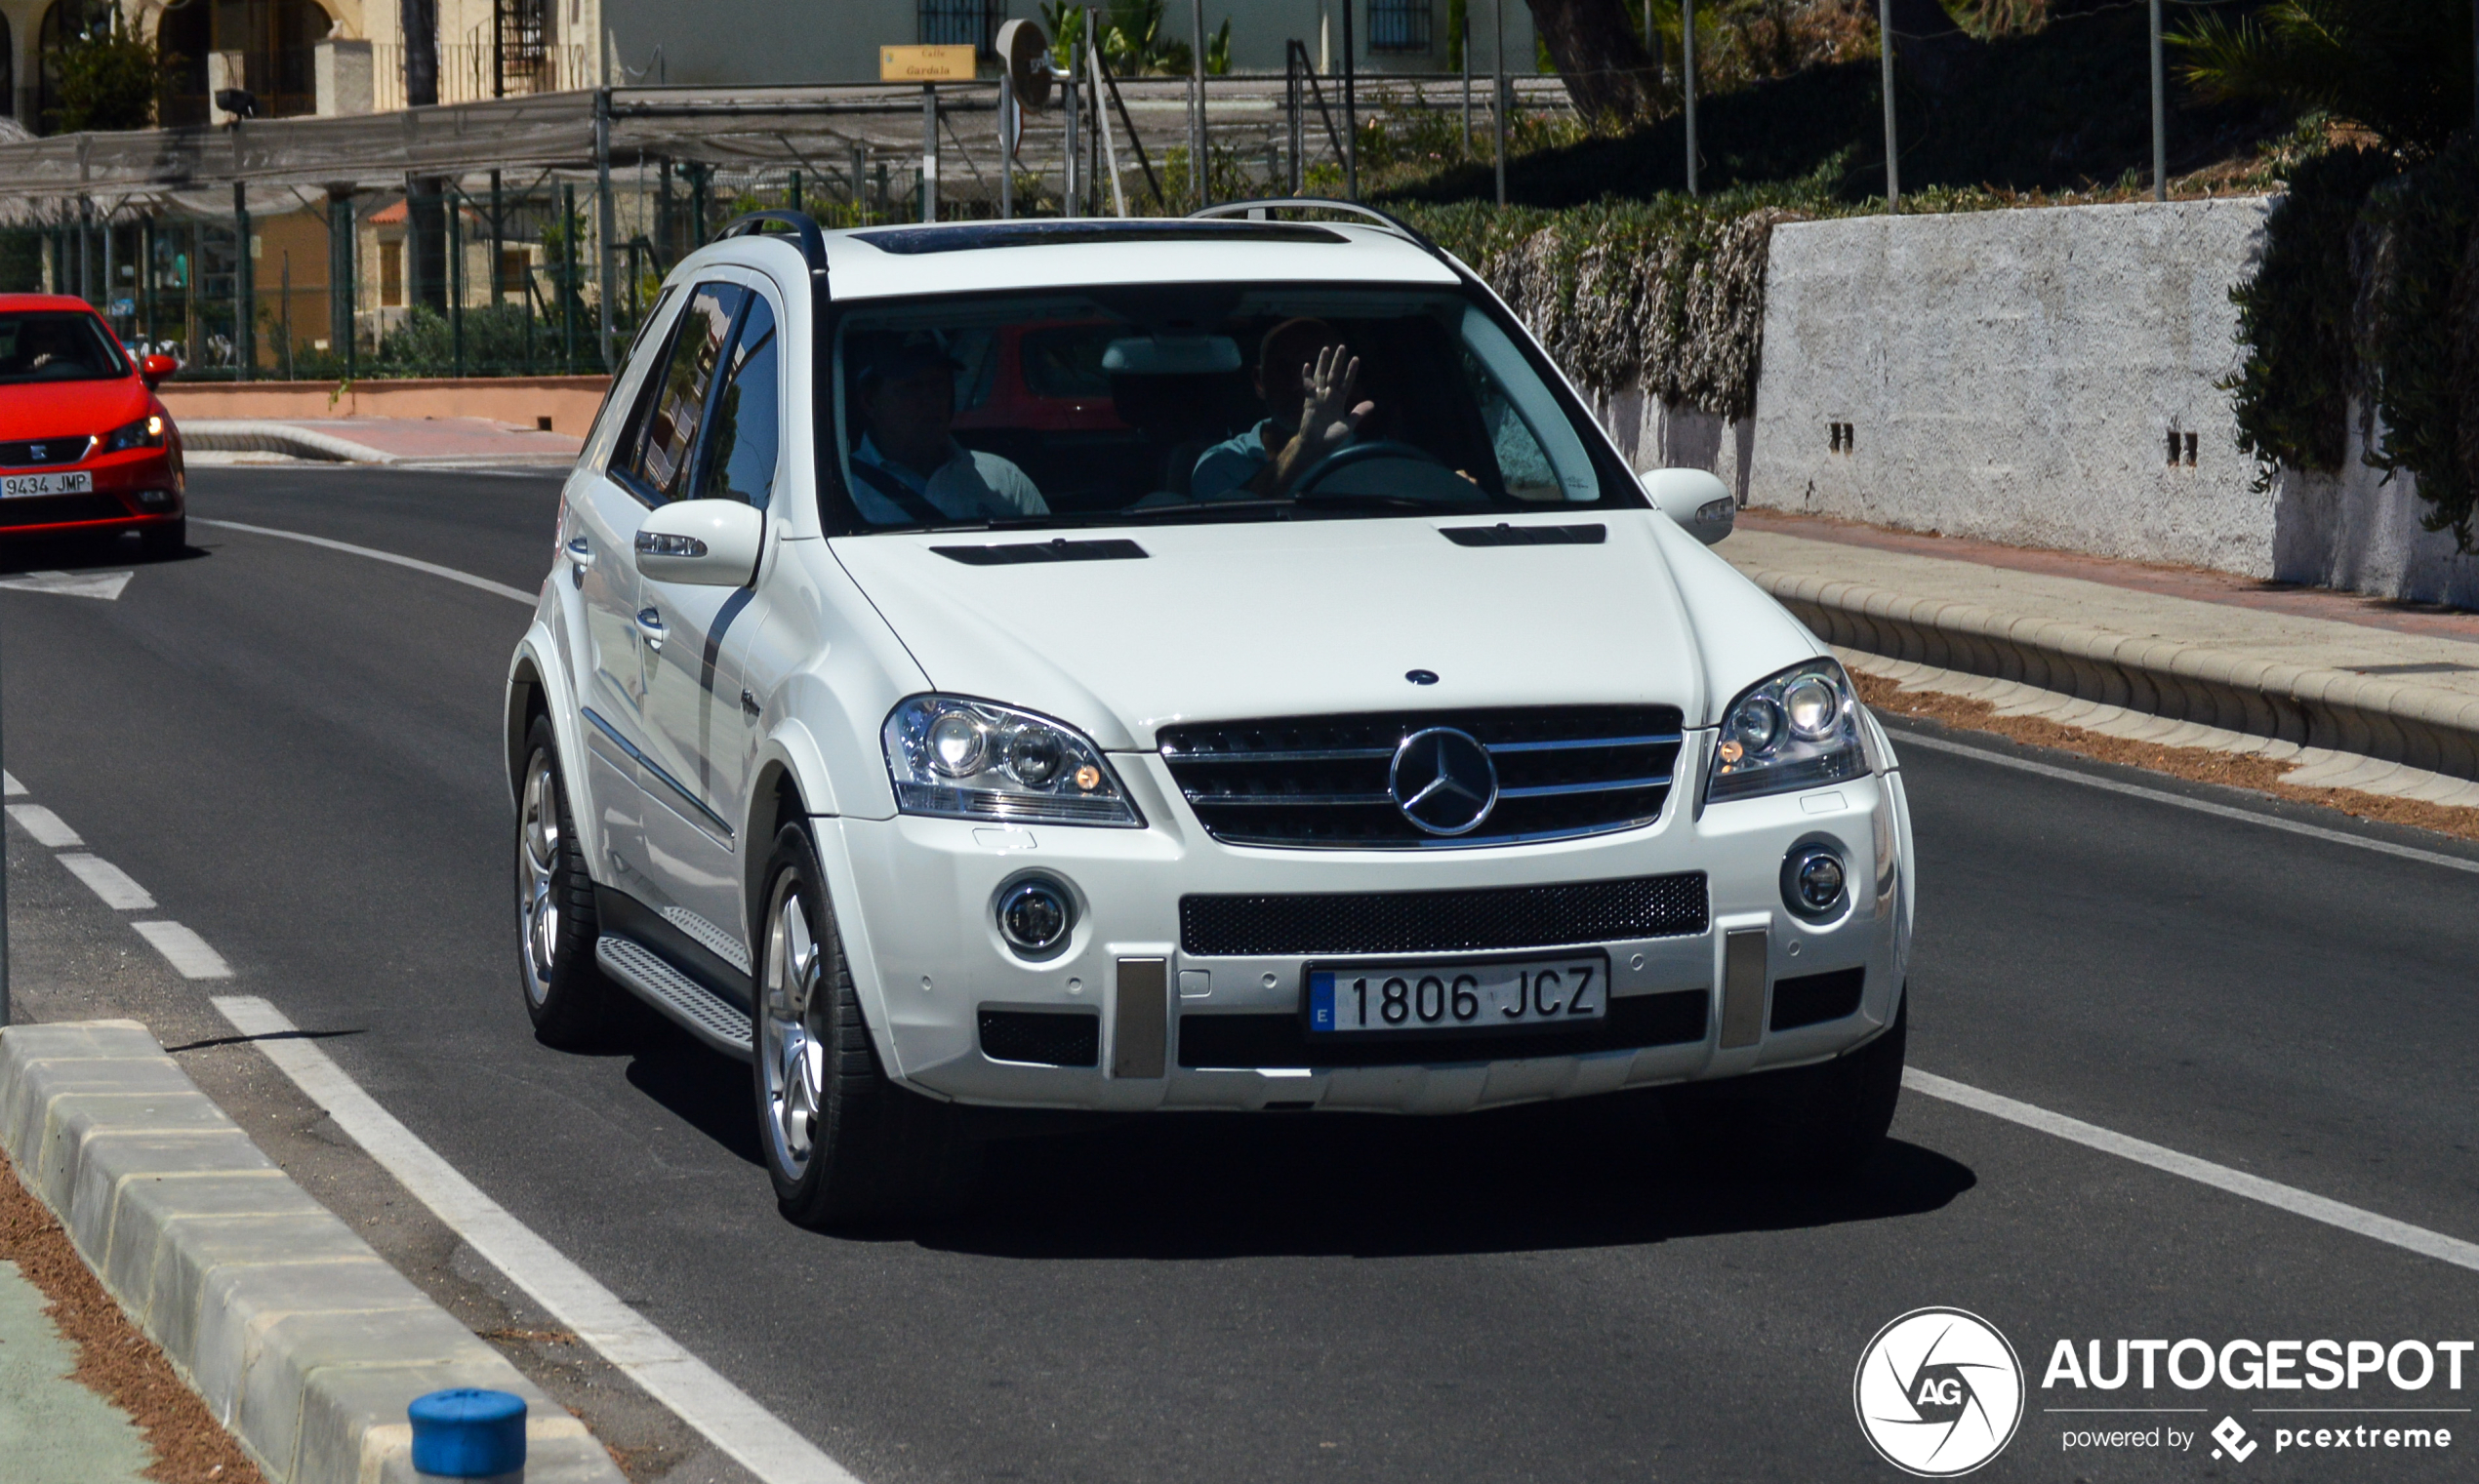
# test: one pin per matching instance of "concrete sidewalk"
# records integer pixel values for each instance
(419, 442)
(2355, 692)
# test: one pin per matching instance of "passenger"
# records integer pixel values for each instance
(1302, 364)
(909, 469)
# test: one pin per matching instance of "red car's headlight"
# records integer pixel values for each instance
(146, 432)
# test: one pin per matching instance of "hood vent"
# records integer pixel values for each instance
(1061, 550)
(1504, 535)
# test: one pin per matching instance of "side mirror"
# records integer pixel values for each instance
(1695, 500)
(705, 543)
(152, 370)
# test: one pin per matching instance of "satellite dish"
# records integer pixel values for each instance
(1025, 55)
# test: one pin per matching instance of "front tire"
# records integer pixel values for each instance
(843, 1145)
(566, 994)
(1819, 1122)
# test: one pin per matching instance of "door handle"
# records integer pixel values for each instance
(580, 551)
(650, 624)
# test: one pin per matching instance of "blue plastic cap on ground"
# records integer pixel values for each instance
(467, 1433)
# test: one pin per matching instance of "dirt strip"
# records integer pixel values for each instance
(113, 1360)
(2201, 765)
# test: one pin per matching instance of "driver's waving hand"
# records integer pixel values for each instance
(1303, 359)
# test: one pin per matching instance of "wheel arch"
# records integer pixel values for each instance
(536, 682)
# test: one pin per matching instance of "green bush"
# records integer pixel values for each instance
(2424, 288)
(2292, 387)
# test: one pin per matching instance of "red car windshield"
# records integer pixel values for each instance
(56, 345)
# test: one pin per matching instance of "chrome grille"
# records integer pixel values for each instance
(1322, 782)
(44, 453)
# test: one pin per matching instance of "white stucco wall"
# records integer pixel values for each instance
(2015, 376)
(2360, 531)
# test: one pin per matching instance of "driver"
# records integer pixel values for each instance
(1303, 362)
(909, 469)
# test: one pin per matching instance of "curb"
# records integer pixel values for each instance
(239, 435)
(302, 1341)
(2393, 720)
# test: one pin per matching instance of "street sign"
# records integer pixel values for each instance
(925, 64)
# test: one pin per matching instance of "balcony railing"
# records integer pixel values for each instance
(466, 74)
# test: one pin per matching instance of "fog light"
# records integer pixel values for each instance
(154, 497)
(1812, 880)
(1035, 915)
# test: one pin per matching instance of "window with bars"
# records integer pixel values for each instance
(1399, 25)
(960, 23)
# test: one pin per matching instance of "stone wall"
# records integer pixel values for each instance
(2043, 378)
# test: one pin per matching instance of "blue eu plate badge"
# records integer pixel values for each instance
(1320, 1001)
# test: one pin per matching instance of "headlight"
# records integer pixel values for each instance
(973, 760)
(1794, 730)
(146, 432)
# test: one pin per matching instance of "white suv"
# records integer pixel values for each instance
(1134, 665)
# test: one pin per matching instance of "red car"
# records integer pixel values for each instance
(86, 447)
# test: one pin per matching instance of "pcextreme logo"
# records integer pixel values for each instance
(1938, 1392)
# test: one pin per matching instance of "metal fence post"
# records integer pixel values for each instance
(2160, 112)
(1893, 151)
(1350, 108)
(455, 282)
(1007, 144)
(1197, 106)
(244, 312)
(568, 280)
(1498, 93)
(929, 151)
(1686, 67)
(605, 221)
(147, 275)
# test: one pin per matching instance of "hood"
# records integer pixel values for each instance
(1289, 618)
(65, 408)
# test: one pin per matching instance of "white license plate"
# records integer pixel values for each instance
(1508, 994)
(11, 486)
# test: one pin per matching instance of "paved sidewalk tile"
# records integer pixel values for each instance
(2314, 629)
(54, 1430)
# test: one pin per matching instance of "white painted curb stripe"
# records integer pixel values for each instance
(2178, 800)
(117, 888)
(432, 568)
(10, 785)
(729, 1418)
(2255, 1188)
(185, 950)
(47, 828)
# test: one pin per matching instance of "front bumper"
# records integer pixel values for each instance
(134, 489)
(916, 907)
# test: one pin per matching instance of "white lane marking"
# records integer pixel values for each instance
(729, 1418)
(2179, 800)
(2255, 1188)
(47, 828)
(185, 950)
(9, 783)
(432, 568)
(115, 886)
(106, 585)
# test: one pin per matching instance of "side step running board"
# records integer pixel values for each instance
(700, 1011)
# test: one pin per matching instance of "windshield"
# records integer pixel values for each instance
(56, 345)
(1196, 402)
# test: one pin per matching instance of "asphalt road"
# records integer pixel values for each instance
(295, 750)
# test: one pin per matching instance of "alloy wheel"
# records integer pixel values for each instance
(789, 1051)
(537, 853)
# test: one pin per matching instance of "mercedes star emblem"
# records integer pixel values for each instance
(1444, 781)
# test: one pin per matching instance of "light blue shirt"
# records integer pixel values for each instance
(969, 486)
(1223, 472)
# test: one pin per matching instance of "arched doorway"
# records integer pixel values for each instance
(63, 20)
(8, 71)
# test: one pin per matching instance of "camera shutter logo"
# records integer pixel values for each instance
(1938, 1392)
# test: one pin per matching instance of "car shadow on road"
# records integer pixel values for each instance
(74, 554)
(1535, 1179)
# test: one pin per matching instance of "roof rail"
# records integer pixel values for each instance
(813, 243)
(1387, 220)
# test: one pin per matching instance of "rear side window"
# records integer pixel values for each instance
(741, 440)
(655, 460)
(56, 345)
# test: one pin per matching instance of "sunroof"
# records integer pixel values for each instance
(972, 236)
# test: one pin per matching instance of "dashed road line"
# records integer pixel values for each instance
(48, 828)
(2255, 1188)
(185, 950)
(1908, 739)
(432, 568)
(118, 889)
(10, 785)
(729, 1418)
